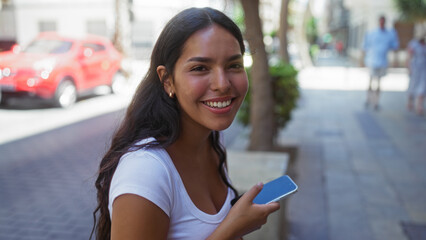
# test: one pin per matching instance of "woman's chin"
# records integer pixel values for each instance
(221, 126)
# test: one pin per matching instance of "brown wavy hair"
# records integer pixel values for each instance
(152, 113)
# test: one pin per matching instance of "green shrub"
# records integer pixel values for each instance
(286, 92)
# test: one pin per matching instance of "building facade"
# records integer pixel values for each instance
(22, 20)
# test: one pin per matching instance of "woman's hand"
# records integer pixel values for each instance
(245, 216)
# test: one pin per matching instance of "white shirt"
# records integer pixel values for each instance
(150, 173)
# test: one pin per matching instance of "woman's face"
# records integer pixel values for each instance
(209, 79)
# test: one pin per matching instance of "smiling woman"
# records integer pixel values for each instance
(164, 176)
(209, 80)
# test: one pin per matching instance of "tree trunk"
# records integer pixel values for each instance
(262, 103)
(283, 31)
(121, 37)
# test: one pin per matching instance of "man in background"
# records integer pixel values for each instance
(376, 46)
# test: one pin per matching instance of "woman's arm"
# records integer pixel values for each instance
(134, 217)
(245, 216)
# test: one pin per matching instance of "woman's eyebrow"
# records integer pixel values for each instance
(200, 59)
(207, 59)
(235, 57)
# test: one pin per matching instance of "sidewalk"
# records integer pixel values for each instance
(361, 173)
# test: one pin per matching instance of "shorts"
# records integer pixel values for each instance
(378, 72)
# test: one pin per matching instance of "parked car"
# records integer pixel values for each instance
(60, 69)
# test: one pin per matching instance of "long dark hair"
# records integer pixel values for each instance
(152, 113)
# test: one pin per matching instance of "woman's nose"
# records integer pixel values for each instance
(220, 81)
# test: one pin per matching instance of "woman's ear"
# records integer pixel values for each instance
(166, 79)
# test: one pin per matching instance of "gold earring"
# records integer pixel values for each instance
(171, 94)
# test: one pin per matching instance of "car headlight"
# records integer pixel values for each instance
(31, 82)
(5, 72)
(45, 67)
(45, 74)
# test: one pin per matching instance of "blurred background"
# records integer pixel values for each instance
(68, 69)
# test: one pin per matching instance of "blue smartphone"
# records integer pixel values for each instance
(276, 189)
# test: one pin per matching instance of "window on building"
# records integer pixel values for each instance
(46, 26)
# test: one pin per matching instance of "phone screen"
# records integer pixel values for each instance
(275, 190)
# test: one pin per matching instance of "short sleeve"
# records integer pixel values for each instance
(143, 174)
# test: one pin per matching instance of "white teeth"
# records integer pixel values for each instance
(218, 104)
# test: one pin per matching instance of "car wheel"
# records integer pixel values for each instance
(66, 94)
(118, 83)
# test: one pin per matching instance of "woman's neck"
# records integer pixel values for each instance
(193, 137)
(193, 143)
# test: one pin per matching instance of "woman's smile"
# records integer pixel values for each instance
(218, 104)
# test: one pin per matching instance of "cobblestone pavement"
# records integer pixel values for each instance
(46, 181)
(361, 173)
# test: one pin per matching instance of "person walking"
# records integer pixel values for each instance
(376, 46)
(165, 174)
(417, 72)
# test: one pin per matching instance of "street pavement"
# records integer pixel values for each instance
(361, 173)
(46, 180)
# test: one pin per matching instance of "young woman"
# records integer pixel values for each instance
(164, 176)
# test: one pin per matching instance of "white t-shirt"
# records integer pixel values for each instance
(150, 173)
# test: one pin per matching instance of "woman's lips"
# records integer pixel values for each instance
(219, 105)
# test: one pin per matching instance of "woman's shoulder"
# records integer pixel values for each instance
(146, 156)
(144, 172)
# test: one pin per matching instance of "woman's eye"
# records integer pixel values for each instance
(236, 66)
(198, 69)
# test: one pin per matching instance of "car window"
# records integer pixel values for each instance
(49, 46)
(96, 47)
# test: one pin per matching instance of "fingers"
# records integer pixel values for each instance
(252, 193)
(245, 216)
(272, 207)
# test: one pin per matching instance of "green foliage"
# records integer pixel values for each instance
(238, 17)
(286, 93)
(273, 33)
(412, 10)
(311, 30)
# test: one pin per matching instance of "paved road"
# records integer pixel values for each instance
(25, 117)
(46, 181)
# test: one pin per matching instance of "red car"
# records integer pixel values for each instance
(60, 69)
